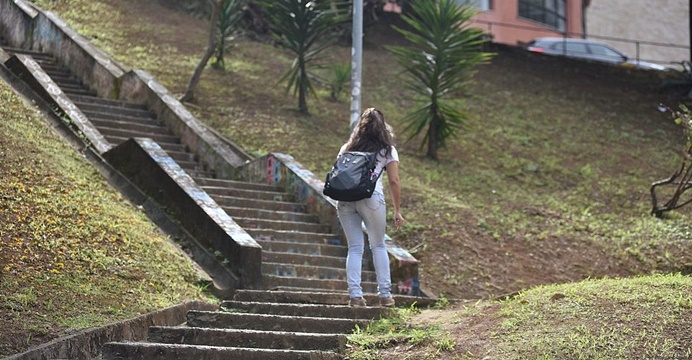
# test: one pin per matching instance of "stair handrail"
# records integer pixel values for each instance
(31, 73)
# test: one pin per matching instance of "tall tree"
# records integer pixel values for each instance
(212, 40)
(306, 28)
(439, 62)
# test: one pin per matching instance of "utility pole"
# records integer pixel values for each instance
(357, 61)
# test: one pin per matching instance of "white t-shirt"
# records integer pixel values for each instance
(382, 162)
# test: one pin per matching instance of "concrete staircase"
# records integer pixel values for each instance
(257, 325)
(298, 252)
(117, 120)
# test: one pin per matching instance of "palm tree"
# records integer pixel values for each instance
(439, 64)
(306, 28)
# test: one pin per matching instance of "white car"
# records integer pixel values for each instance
(587, 49)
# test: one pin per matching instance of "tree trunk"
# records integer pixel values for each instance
(302, 88)
(211, 46)
(432, 138)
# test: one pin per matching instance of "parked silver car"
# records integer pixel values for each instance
(587, 49)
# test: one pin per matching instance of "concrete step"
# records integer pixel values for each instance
(115, 112)
(67, 88)
(182, 155)
(324, 297)
(310, 310)
(160, 138)
(192, 166)
(55, 70)
(82, 100)
(303, 259)
(32, 53)
(310, 290)
(124, 121)
(259, 204)
(64, 79)
(271, 214)
(167, 147)
(312, 272)
(273, 281)
(142, 126)
(45, 60)
(293, 297)
(196, 173)
(248, 193)
(305, 324)
(78, 92)
(292, 258)
(258, 223)
(308, 249)
(287, 235)
(247, 338)
(224, 183)
(155, 351)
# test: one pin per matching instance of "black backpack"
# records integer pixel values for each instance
(352, 177)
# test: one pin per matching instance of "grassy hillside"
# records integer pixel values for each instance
(73, 253)
(548, 184)
(635, 318)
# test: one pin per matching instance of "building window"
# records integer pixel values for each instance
(548, 12)
(482, 5)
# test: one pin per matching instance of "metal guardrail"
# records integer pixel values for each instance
(565, 34)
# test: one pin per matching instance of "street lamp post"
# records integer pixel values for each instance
(357, 61)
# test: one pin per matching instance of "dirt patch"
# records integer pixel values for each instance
(470, 333)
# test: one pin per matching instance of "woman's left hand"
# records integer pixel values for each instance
(398, 220)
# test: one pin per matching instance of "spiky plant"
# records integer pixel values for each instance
(340, 77)
(439, 62)
(306, 28)
(227, 26)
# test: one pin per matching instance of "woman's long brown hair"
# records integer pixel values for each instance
(371, 134)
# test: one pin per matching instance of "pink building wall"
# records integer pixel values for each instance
(506, 27)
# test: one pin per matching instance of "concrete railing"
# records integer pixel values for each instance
(92, 66)
(27, 69)
(88, 343)
(219, 155)
(18, 22)
(152, 170)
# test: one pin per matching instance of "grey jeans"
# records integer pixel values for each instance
(372, 212)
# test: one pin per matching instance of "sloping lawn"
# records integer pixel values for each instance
(73, 253)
